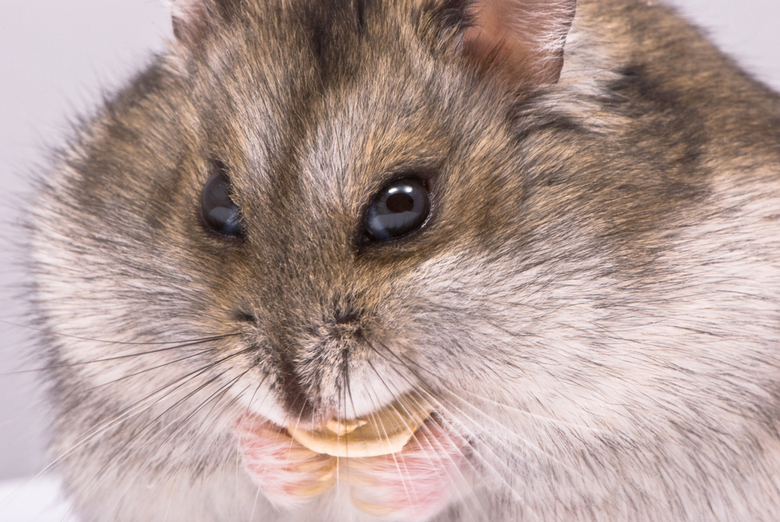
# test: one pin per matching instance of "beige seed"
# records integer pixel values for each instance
(382, 433)
(342, 428)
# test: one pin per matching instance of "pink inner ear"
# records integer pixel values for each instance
(522, 39)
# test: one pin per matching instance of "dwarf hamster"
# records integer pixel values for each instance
(418, 260)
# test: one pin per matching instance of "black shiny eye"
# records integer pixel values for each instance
(219, 212)
(398, 209)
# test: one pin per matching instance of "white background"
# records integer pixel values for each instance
(56, 55)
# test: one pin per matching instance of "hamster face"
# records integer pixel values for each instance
(309, 228)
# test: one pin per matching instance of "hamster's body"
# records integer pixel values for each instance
(591, 306)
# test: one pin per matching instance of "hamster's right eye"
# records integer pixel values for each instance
(220, 213)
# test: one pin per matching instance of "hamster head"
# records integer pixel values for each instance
(315, 227)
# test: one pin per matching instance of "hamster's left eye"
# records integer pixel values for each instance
(220, 213)
(400, 208)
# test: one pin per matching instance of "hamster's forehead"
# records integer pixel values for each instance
(335, 97)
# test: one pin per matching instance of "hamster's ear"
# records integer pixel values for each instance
(192, 19)
(522, 40)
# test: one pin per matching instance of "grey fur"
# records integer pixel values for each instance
(594, 305)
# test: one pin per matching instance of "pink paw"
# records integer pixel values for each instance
(284, 470)
(412, 485)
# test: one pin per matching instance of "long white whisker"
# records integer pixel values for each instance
(112, 461)
(214, 398)
(456, 465)
(174, 346)
(134, 409)
(433, 465)
(537, 416)
(434, 399)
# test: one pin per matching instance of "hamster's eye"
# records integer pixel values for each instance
(400, 208)
(219, 212)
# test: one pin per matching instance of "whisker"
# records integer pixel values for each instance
(506, 429)
(254, 505)
(403, 474)
(405, 361)
(106, 341)
(151, 368)
(434, 466)
(542, 418)
(421, 385)
(347, 392)
(497, 473)
(430, 459)
(294, 431)
(111, 462)
(128, 412)
(177, 346)
(460, 451)
(182, 380)
(122, 448)
(230, 403)
(211, 399)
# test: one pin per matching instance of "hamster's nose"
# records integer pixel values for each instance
(347, 324)
(348, 317)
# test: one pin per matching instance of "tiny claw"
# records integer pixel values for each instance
(330, 476)
(312, 490)
(358, 479)
(359, 464)
(316, 465)
(375, 510)
(301, 454)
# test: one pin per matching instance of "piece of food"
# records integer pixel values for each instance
(381, 433)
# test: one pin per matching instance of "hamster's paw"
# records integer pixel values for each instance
(413, 485)
(285, 471)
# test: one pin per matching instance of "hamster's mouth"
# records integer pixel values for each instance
(380, 457)
(381, 433)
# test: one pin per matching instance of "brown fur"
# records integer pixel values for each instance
(594, 303)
